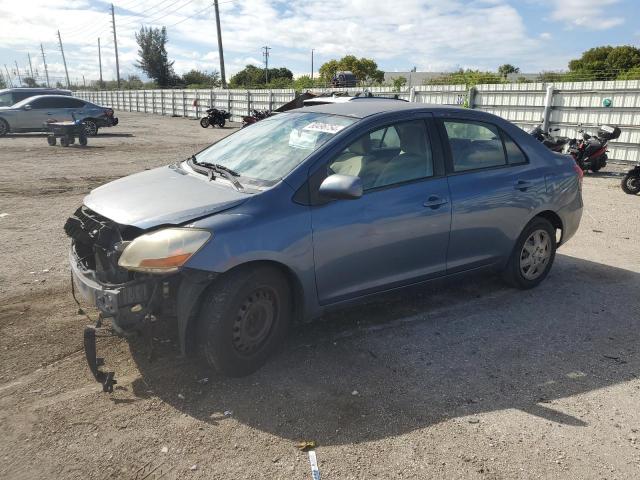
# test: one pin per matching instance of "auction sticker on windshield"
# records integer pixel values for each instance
(324, 127)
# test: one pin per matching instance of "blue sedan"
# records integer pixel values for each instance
(316, 208)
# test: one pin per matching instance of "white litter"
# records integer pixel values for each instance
(2, 215)
(193, 467)
(164, 449)
(355, 392)
(181, 396)
(228, 413)
(315, 471)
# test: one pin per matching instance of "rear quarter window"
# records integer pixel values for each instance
(474, 145)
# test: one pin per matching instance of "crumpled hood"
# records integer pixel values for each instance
(164, 195)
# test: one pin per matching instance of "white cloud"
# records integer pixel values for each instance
(588, 14)
(431, 34)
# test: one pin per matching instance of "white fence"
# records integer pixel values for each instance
(565, 105)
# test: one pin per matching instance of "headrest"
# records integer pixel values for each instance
(362, 146)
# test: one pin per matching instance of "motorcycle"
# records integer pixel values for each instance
(631, 181)
(589, 152)
(256, 116)
(552, 142)
(215, 117)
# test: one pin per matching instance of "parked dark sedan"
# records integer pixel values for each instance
(314, 208)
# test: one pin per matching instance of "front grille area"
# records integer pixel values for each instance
(96, 241)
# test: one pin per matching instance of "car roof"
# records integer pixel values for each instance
(365, 107)
(34, 89)
(37, 97)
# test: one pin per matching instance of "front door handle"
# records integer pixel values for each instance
(522, 185)
(435, 202)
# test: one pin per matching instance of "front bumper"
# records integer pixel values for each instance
(126, 304)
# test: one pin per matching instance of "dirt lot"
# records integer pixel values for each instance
(472, 380)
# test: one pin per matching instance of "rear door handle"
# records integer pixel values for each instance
(435, 202)
(522, 185)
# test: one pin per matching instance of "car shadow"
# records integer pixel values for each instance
(607, 174)
(114, 135)
(408, 360)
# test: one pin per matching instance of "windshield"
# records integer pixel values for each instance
(269, 149)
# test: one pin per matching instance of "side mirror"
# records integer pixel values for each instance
(27, 107)
(341, 187)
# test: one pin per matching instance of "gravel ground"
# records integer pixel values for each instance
(464, 380)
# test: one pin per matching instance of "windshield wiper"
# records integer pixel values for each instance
(221, 170)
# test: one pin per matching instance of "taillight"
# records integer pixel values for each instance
(109, 112)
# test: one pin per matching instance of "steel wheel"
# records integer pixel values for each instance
(254, 320)
(535, 254)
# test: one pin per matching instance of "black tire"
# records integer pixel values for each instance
(595, 168)
(516, 273)
(631, 184)
(91, 128)
(51, 140)
(64, 141)
(82, 140)
(204, 122)
(243, 319)
(4, 127)
(221, 123)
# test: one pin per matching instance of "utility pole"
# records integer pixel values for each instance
(265, 54)
(30, 65)
(64, 60)
(100, 61)
(45, 65)
(312, 63)
(18, 72)
(115, 44)
(84, 84)
(220, 52)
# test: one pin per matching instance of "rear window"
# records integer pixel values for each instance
(474, 145)
(6, 99)
(514, 154)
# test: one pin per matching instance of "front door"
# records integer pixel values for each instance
(397, 232)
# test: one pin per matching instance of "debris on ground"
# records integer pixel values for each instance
(313, 461)
(306, 445)
(354, 393)
(164, 449)
(228, 413)
(181, 396)
(204, 380)
(193, 467)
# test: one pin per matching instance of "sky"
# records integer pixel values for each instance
(431, 35)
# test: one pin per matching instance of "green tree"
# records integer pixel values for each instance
(605, 63)
(201, 79)
(304, 82)
(631, 74)
(3, 83)
(254, 77)
(153, 55)
(30, 82)
(469, 78)
(398, 83)
(365, 69)
(506, 69)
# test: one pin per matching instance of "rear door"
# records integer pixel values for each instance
(493, 190)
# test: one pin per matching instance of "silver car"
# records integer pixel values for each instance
(33, 114)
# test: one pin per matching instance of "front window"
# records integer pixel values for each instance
(6, 99)
(268, 150)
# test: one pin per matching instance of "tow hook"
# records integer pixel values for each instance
(107, 379)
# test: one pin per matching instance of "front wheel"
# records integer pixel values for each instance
(532, 256)
(4, 127)
(243, 319)
(631, 183)
(204, 122)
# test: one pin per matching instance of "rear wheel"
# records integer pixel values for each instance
(631, 184)
(532, 256)
(64, 140)
(204, 122)
(243, 319)
(91, 128)
(51, 140)
(221, 122)
(4, 127)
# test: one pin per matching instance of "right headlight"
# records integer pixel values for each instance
(164, 251)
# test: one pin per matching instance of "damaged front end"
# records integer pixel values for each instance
(130, 299)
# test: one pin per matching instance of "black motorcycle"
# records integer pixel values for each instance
(631, 181)
(215, 117)
(552, 142)
(589, 152)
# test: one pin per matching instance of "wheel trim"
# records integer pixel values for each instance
(91, 128)
(633, 183)
(535, 254)
(255, 320)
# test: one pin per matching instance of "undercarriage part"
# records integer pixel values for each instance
(107, 379)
